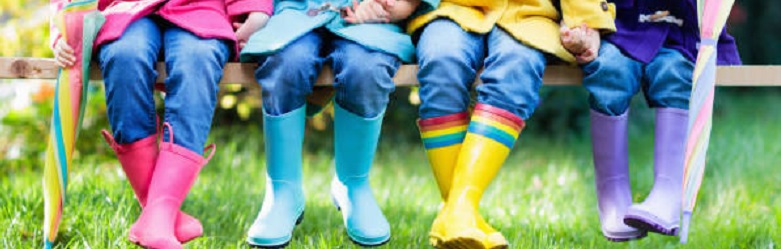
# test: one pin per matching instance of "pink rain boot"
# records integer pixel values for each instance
(138, 160)
(176, 171)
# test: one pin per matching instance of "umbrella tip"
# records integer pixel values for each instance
(48, 244)
(684, 233)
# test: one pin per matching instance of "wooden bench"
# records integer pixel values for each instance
(243, 73)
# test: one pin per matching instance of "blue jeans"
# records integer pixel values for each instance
(194, 67)
(613, 79)
(449, 58)
(363, 77)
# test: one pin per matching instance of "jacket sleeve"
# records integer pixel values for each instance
(238, 8)
(54, 7)
(596, 14)
(727, 50)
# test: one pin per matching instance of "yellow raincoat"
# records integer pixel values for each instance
(534, 23)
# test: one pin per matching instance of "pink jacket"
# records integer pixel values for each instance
(204, 18)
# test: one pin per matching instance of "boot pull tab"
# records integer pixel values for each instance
(170, 132)
(213, 148)
(109, 138)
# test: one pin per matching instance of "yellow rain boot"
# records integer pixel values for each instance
(442, 138)
(490, 136)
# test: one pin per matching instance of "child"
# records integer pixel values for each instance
(654, 50)
(195, 39)
(291, 50)
(512, 41)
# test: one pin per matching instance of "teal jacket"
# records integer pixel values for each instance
(290, 21)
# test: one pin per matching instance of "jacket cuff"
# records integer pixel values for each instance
(599, 15)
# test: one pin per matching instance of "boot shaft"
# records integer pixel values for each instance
(669, 147)
(442, 138)
(490, 137)
(175, 172)
(609, 144)
(284, 141)
(138, 160)
(355, 143)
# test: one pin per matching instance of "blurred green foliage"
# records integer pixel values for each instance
(25, 138)
(24, 28)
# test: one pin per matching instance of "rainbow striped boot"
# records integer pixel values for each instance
(442, 137)
(490, 136)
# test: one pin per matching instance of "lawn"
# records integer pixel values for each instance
(543, 197)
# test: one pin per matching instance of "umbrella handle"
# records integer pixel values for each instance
(685, 222)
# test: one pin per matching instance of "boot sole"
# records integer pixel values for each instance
(625, 239)
(279, 246)
(463, 243)
(643, 223)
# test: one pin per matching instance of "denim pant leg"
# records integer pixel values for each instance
(363, 77)
(448, 60)
(128, 66)
(668, 80)
(512, 76)
(194, 68)
(287, 77)
(612, 79)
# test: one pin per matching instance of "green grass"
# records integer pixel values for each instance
(542, 198)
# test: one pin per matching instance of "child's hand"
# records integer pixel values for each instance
(369, 11)
(583, 42)
(63, 54)
(254, 22)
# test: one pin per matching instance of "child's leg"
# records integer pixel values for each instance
(195, 68)
(509, 94)
(129, 75)
(128, 66)
(668, 87)
(449, 58)
(285, 78)
(612, 79)
(363, 81)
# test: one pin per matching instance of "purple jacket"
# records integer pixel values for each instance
(645, 26)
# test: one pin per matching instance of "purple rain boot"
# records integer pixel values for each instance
(611, 173)
(661, 210)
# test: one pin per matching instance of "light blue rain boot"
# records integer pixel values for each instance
(283, 205)
(355, 143)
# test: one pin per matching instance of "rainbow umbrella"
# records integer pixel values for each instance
(712, 18)
(78, 22)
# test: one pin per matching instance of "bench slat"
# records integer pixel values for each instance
(243, 73)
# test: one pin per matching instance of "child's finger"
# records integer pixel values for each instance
(359, 12)
(237, 25)
(360, 15)
(350, 16)
(65, 47)
(61, 45)
(66, 55)
(62, 62)
(59, 63)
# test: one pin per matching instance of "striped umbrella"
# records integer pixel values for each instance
(712, 18)
(78, 22)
